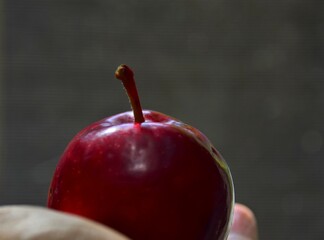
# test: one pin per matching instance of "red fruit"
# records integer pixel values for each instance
(149, 176)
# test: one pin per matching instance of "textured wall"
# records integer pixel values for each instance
(249, 74)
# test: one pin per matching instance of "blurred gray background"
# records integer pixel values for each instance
(249, 74)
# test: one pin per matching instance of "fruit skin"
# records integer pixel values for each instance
(161, 179)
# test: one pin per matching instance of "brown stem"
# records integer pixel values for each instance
(126, 75)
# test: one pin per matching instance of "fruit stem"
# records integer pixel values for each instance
(126, 75)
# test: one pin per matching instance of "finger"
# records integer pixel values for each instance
(244, 224)
(35, 223)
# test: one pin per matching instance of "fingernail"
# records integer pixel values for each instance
(236, 236)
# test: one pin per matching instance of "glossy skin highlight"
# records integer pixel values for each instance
(160, 179)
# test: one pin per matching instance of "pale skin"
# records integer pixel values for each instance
(37, 223)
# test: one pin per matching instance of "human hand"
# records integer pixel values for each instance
(36, 223)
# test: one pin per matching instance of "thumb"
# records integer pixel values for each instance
(244, 224)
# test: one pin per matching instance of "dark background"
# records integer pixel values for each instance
(249, 74)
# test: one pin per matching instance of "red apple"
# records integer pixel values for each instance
(145, 174)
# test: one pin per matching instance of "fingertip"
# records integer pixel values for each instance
(244, 224)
